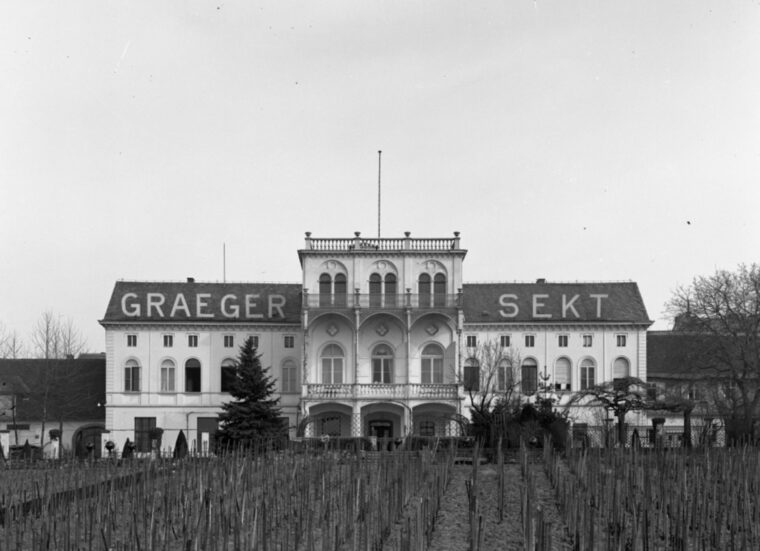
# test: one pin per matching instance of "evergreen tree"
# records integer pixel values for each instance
(253, 418)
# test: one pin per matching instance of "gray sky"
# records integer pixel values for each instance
(566, 140)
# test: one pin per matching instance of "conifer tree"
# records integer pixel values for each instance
(253, 418)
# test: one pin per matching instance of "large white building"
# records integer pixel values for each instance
(381, 337)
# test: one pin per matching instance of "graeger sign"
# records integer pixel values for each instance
(540, 303)
(203, 306)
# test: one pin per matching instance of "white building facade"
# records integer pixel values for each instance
(381, 337)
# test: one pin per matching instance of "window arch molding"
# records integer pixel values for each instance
(228, 372)
(432, 356)
(132, 374)
(621, 367)
(193, 371)
(529, 375)
(471, 374)
(168, 373)
(332, 359)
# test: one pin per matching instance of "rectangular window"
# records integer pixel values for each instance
(588, 340)
(505, 341)
(192, 376)
(530, 341)
(18, 426)
(588, 376)
(621, 339)
(255, 339)
(192, 341)
(695, 393)
(562, 341)
(432, 370)
(229, 341)
(229, 375)
(131, 340)
(289, 377)
(652, 391)
(143, 426)
(168, 341)
(289, 341)
(132, 377)
(472, 341)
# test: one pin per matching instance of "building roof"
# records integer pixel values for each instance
(676, 354)
(75, 388)
(161, 302)
(547, 302)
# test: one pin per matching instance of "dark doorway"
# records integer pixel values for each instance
(86, 439)
(381, 429)
(206, 431)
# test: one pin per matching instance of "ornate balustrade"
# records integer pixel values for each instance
(382, 391)
(362, 300)
(358, 243)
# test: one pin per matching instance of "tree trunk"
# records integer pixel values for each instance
(621, 429)
(687, 428)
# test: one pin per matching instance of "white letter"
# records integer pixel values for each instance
(537, 305)
(134, 308)
(234, 311)
(155, 300)
(201, 305)
(504, 302)
(276, 305)
(569, 306)
(180, 304)
(599, 304)
(250, 304)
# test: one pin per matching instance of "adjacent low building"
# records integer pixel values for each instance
(381, 337)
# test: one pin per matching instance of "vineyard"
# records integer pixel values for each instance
(435, 498)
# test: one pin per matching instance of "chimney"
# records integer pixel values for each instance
(541, 280)
(191, 280)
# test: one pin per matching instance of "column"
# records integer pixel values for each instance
(356, 421)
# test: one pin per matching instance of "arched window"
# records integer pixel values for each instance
(621, 368)
(439, 290)
(382, 364)
(588, 373)
(289, 379)
(432, 364)
(325, 290)
(472, 375)
(332, 365)
(423, 289)
(340, 289)
(132, 376)
(390, 290)
(168, 371)
(562, 374)
(529, 376)
(504, 374)
(192, 375)
(229, 375)
(375, 290)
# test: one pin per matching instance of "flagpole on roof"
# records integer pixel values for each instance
(379, 166)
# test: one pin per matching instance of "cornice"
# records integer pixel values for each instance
(198, 326)
(555, 326)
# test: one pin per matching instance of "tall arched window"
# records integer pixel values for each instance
(562, 374)
(192, 375)
(423, 289)
(168, 371)
(325, 290)
(229, 374)
(472, 374)
(341, 289)
(332, 365)
(432, 364)
(504, 374)
(382, 364)
(439, 290)
(588, 373)
(529, 376)
(132, 376)
(390, 290)
(621, 368)
(375, 290)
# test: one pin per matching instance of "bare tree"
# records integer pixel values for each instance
(11, 346)
(490, 379)
(723, 310)
(55, 341)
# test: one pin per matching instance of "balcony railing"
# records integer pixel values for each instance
(382, 391)
(358, 243)
(360, 300)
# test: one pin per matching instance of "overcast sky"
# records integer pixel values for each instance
(602, 140)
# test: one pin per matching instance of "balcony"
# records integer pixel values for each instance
(382, 391)
(382, 302)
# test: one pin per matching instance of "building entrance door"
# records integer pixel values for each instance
(381, 429)
(206, 430)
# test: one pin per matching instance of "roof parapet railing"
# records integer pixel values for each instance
(359, 243)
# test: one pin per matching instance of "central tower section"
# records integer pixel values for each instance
(382, 319)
